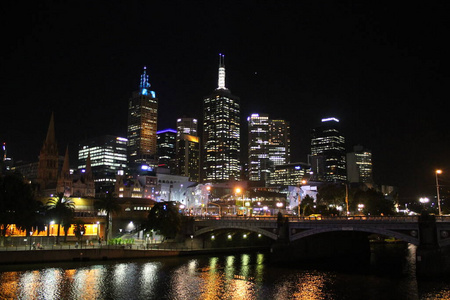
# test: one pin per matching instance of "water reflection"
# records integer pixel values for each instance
(240, 276)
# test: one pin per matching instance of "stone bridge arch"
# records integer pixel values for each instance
(262, 231)
(412, 237)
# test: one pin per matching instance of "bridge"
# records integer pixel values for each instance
(431, 234)
(405, 228)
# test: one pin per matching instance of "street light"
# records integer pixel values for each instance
(437, 190)
(424, 200)
(238, 191)
(208, 188)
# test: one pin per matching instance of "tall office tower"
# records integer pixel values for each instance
(279, 142)
(186, 126)
(108, 156)
(359, 166)
(188, 157)
(328, 152)
(268, 145)
(221, 133)
(258, 147)
(166, 149)
(48, 162)
(142, 123)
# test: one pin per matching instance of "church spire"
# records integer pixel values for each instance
(221, 83)
(50, 139)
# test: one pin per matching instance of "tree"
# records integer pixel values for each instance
(18, 205)
(306, 205)
(165, 218)
(61, 209)
(108, 204)
(374, 203)
(79, 229)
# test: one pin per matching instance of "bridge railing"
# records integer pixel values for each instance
(322, 218)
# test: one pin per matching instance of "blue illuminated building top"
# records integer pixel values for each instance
(145, 85)
(166, 130)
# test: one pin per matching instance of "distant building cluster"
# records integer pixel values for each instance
(179, 164)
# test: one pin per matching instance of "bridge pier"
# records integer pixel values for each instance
(432, 259)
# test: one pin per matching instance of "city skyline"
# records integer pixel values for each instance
(380, 69)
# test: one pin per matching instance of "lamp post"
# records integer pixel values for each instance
(437, 191)
(208, 189)
(238, 191)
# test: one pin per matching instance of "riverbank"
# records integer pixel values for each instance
(107, 253)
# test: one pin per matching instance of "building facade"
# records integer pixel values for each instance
(279, 142)
(359, 166)
(328, 156)
(221, 128)
(188, 157)
(187, 126)
(268, 146)
(166, 142)
(142, 123)
(258, 147)
(108, 155)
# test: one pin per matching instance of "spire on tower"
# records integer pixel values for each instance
(50, 139)
(145, 85)
(221, 85)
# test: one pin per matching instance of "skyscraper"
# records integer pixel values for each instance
(328, 152)
(188, 157)
(142, 123)
(268, 145)
(221, 132)
(187, 126)
(166, 149)
(108, 155)
(359, 166)
(279, 142)
(258, 147)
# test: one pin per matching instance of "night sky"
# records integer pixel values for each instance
(382, 68)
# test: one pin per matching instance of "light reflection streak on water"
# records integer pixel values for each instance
(185, 284)
(45, 284)
(259, 270)
(86, 282)
(125, 275)
(148, 279)
(307, 286)
(8, 284)
(212, 280)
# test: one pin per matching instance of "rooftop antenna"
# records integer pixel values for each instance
(221, 83)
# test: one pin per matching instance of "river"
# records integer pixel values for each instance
(390, 274)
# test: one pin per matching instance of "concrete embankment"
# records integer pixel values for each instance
(39, 256)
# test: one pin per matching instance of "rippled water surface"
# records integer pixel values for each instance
(389, 275)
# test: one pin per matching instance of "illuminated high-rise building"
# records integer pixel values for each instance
(268, 145)
(188, 157)
(187, 126)
(142, 123)
(359, 166)
(328, 152)
(108, 157)
(166, 149)
(221, 133)
(279, 142)
(258, 150)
